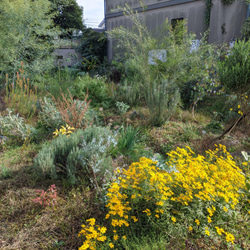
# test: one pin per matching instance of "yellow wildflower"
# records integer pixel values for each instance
(225, 209)
(207, 232)
(197, 222)
(230, 238)
(173, 219)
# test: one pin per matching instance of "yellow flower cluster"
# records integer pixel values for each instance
(142, 181)
(209, 179)
(144, 193)
(229, 236)
(67, 130)
(93, 233)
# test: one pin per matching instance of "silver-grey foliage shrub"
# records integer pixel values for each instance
(13, 124)
(95, 156)
(52, 160)
(84, 153)
(49, 116)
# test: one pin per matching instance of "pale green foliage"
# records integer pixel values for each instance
(163, 100)
(52, 160)
(12, 124)
(122, 107)
(49, 116)
(26, 34)
(95, 156)
(83, 153)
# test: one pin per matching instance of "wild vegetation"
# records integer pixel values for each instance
(158, 159)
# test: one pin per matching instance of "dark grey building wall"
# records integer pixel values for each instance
(225, 21)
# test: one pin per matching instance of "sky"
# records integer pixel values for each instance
(93, 11)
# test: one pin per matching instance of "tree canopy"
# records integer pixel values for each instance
(68, 15)
(26, 34)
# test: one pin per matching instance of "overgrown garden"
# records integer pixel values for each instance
(128, 154)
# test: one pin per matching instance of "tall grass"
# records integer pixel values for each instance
(20, 97)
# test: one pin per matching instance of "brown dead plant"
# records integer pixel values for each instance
(72, 111)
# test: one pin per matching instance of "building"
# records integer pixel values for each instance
(224, 21)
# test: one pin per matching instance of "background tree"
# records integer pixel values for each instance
(26, 34)
(68, 15)
(93, 49)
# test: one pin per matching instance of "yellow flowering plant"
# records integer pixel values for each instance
(243, 106)
(94, 235)
(67, 130)
(193, 197)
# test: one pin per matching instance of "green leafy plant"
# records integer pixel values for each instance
(30, 37)
(207, 13)
(96, 89)
(245, 29)
(127, 139)
(234, 71)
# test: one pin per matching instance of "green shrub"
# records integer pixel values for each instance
(163, 101)
(95, 87)
(234, 71)
(58, 78)
(245, 29)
